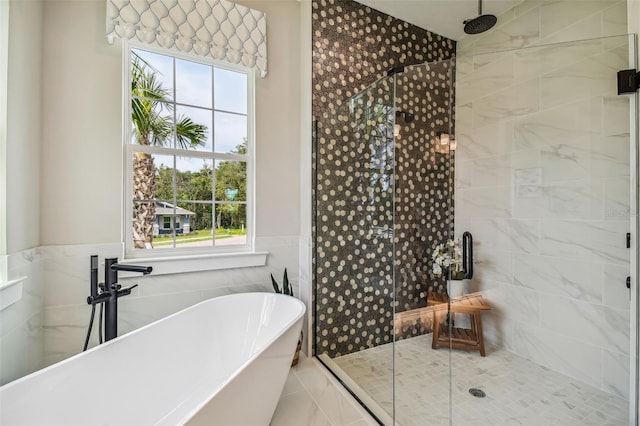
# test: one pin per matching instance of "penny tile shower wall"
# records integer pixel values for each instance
(373, 190)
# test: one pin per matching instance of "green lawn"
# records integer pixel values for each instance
(200, 235)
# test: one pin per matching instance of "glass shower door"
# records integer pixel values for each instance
(354, 249)
(424, 174)
(543, 182)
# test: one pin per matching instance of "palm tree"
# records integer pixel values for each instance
(148, 98)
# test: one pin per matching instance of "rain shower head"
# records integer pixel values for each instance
(481, 23)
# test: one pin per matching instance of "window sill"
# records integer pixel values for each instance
(195, 263)
(10, 292)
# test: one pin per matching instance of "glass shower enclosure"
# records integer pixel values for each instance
(533, 154)
(354, 228)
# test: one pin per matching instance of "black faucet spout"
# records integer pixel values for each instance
(145, 270)
(111, 268)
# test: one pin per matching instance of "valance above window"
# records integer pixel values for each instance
(216, 28)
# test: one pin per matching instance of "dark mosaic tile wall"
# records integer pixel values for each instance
(354, 155)
(424, 183)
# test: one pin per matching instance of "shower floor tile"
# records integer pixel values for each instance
(518, 391)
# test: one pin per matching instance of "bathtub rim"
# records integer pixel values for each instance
(188, 413)
(191, 413)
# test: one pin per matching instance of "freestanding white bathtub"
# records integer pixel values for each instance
(221, 362)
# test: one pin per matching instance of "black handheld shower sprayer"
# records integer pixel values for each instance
(106, 295)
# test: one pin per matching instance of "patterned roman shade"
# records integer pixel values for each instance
(216, 28)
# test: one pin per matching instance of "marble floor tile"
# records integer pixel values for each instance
(518, 391)
(313, 397)
(298, 409)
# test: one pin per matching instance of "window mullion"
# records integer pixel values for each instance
(175, 120)
(175, 161)
(150, 149)
(214, 222)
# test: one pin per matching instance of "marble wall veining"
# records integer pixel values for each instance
(21, 332)
(66, 276)
(542, 183)
(49, 323)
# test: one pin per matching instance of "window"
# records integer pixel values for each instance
(189, 155)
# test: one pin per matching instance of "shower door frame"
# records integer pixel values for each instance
(634, 352)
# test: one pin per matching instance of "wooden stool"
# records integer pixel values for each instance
(458, 338)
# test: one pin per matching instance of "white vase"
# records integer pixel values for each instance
(456, 288)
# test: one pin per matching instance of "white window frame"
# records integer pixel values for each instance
(196, 258)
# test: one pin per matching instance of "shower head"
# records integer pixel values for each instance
(481, 23)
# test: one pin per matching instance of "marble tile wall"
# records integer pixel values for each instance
(21, 334)
(66, 277)
(542, 182)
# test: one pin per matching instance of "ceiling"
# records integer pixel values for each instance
(442, 17)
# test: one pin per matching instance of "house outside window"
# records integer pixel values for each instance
(189, 155)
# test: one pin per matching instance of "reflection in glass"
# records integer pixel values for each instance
(354, 242)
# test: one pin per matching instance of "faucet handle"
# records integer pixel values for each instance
(126, 291)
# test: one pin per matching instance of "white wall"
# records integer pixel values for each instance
(23, 130)
(542, 182)
(82, 142)
(21, 334)
(70, 203)
(81, 123)
(277, 122)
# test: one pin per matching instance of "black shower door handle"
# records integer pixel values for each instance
(467, 254)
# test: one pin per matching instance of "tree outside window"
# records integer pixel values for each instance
(185, 167)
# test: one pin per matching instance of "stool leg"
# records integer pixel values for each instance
(436, 330)
(479, 333)
(472, 320)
